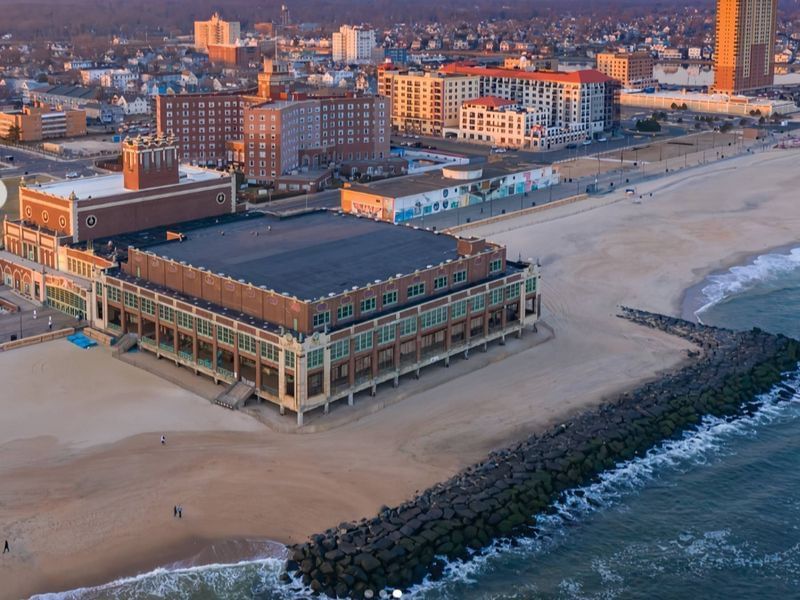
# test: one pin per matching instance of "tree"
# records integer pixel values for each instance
(648, 125)
(13, 134)
(674, 106)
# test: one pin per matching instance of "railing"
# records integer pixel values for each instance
(148, 341)
(186, 355)
(167, 347)
(114, 327)
(205, 362)
(225, 372)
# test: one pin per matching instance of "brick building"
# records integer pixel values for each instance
(302, 312)
(285, 135)
(232, 55)
(215, 31)
(202, 124)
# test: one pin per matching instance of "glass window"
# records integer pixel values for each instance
(368, 305)
(408, 326)
(363, 341)
(418, 289)
(131, 300)
(204, 328)
(315, 359)
(166, 313)
(459, 277)
(148, 306)
(225, 335)
(269, 351)
(496, 296)
(530, 285)
(322, 318)
(512, 291)
(478, 302)
(247, 343)
(390, 298)
(288, 359)
(458, 309)
(440, 282)
(340, 349)
(113, 293)
(185, 320)
(345, 311)
(99, 288)
(434, 317)
(496, 266)
(387, 333)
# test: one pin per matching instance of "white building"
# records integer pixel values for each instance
(573, 106)
(133, 105)
(117, 79)
(497, 121)
(353, 44)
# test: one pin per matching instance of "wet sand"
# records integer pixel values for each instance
(86, 490)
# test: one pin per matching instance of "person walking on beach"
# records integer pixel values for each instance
(50, 323)
(6, 547)
(163, 440)
(175, 510)
(180, 511)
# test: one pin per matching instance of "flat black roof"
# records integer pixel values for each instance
(310, 255)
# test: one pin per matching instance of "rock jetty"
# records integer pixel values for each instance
(501, 496)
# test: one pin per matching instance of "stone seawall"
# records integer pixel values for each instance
(501, 496)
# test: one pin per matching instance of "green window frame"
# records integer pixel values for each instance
(269, 351)
(363, 341)
(184, 320)
(205, 328)
(148, 306)
(247, 343)
(322, 318)
(368, 305)
(130, 299)
(459, 277)
(390, 298)
(387, 333)
(408, 326)
(288, 359)
(166, 313)
(530, 285)
(345, 311)
(225, 335)
(458, 309)
(512, 291)
(496, 265)
(98, 286)
(478, 303)
(432, 318)
(440, 282)
(315, 359)
(415, 290)
(496, 296)
(113, 293)
(340, 349)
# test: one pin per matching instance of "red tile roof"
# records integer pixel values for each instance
(490, 101)
(584, 76)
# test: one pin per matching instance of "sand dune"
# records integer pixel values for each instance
(86, 491)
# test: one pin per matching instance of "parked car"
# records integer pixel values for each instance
(602, 139)
(587, 142)
(72, 175)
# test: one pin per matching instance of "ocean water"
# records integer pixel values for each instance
(715, 514)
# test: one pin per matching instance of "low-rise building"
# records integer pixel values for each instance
(397, 201)
(40, 122)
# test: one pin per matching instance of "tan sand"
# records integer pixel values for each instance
(82, 503)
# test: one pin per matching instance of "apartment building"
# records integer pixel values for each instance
(426, 102)
(215, 31)
(285, 135)
(202, 124)
(744, 54)
(497, 121)
(353, 44)
(574, 105)
(634, 70)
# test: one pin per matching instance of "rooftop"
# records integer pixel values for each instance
(490, 102)
(437, 180)
(583, 76)
(309, 256)
(102, 186)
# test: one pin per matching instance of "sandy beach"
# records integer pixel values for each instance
(86, 489)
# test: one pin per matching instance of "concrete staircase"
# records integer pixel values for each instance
(235, 395)
(125, 343)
